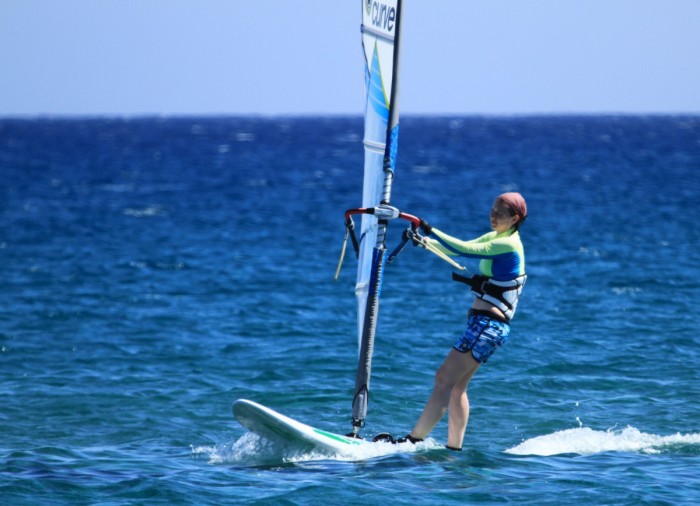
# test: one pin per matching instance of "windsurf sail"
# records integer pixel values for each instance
(381, 37)
(381, 29)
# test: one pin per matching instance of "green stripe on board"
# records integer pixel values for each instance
(336, 437)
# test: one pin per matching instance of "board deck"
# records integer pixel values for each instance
(289, 432)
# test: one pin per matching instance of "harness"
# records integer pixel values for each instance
(502, 294)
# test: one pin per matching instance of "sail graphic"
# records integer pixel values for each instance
(381, 21)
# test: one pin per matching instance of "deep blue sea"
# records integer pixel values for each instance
(154, 270)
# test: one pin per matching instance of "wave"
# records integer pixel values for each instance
(586, 441)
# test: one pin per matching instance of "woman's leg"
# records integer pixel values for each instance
(459, 408)
(457, 369)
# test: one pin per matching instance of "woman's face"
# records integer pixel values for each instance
(502, 217)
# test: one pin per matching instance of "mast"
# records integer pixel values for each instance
(381, 22)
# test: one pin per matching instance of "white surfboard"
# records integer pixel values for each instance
(290, 433)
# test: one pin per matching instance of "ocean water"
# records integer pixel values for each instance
(156, 269)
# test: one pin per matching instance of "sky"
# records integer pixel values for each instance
(304, 57)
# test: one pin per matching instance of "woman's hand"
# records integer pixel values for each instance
(425, 227)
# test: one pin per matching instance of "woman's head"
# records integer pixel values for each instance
(509, 211)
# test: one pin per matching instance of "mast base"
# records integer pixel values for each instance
(356, 426)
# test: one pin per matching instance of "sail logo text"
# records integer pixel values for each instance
(382, 15)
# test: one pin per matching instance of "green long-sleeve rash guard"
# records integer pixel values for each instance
(502, 255)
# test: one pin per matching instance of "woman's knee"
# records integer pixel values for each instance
(443, 380)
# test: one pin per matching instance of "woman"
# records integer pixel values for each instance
(497, 290)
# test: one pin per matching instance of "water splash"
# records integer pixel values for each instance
(254, 450)
(586, 441)
(249, 450)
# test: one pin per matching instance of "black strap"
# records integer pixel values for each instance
(476, 281)
(480, 284)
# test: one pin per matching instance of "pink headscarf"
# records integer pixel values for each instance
(516, 202)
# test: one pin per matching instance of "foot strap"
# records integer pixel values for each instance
(383, 437)
(453, 448)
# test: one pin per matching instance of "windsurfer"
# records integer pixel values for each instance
(497, 289)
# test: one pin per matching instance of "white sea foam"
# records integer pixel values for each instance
(153, 210)
(250, 449)
(253, 450)
(586, 441)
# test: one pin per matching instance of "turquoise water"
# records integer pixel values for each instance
(155, 270)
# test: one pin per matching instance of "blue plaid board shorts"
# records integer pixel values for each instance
(484, 334)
